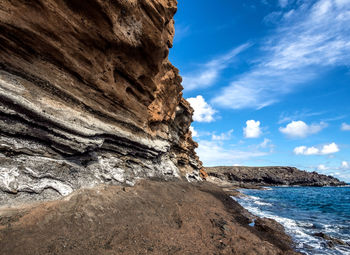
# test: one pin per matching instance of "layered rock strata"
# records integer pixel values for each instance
(269, 176)
(88, 96)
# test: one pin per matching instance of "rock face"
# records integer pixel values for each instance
(88, 96)
(270, 176)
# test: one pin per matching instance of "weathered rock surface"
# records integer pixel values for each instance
(149, 218)
(269, 176)
(331, 242)
(88, 96)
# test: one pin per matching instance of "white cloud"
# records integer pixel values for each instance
(203, 112)
(345, 127)
(343, 176)
(210, 71)
(299, 150)
(297, 115)
(252, 130)
(299, 129)
(213, 153)
(303, 150)
(334, 118)
(193, 131)
(316, 37)
(222, 136)
(345, 165)
(181, 31)
(265, 143)
(283, 3)
(312, 151)
(322, 167)
(273, 17)
(330, 149)
(324, 150)
(341, 172)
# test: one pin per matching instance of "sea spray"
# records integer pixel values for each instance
(305, 211)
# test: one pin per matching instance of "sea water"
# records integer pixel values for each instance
(304, 211)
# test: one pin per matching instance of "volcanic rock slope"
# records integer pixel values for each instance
(152, 217)
(88, 96)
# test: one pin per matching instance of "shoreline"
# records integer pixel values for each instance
(153, 217)
(308, 231)
(269, 176)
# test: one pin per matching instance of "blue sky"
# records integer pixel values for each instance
(269, 81)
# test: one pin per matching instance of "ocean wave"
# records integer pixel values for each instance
(252, 197)
(262, 203)
(304, 224)
(306, 242)
(267, 188)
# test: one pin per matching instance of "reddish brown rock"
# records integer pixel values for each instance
(203, 174)
(88, 96)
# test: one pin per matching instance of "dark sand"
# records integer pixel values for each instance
(150, 218)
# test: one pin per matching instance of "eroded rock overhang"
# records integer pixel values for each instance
(88, 96)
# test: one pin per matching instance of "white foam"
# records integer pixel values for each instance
(267, 188)
(291, 226)
(331, 228)
(305, 224)
(262, 203)
(301, 231)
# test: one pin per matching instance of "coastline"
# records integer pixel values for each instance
(97, 141)
(313, 229)
(250, 177)
(153, 217)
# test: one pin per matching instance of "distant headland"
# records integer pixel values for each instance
(244, 176)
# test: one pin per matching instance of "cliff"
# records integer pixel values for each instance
(269, 176)
(88, 96)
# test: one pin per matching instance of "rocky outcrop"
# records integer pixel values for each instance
(269, 176)
(331, 242)
(88, 96)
